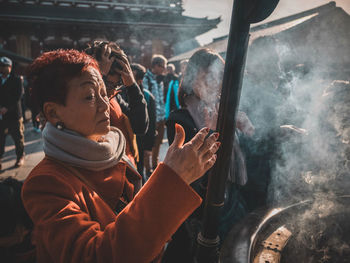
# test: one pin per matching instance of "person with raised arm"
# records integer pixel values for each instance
(84, 198)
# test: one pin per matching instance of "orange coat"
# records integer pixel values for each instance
(121, 121)
(73, 224)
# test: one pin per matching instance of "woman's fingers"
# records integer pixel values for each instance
(123, 58)
(106, 51)
(105, 62)
(211, 151)
(209, 164)
(123, 61)
(192, 160)
(199, 138)
(126, 69)
(208, 143)
(126, 74)
(179, 136)
(121, 72)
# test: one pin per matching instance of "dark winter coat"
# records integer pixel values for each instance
(134, 106)
(10, 97)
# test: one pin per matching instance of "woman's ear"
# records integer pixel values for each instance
(51, 112)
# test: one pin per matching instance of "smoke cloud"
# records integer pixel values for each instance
(296, 92)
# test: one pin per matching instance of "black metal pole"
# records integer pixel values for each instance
(244, 12)
(208, 240)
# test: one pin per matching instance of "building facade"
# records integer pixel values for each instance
(141, 27)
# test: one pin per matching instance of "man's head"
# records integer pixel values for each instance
(139, 72)
(158, 64)
(170, 69)
(5, 66)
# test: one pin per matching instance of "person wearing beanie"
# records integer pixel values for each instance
(10, 110)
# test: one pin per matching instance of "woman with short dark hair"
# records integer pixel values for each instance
(84, 197)
(199, 96)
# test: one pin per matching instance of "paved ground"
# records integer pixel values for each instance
(34, 154)
(33, 151)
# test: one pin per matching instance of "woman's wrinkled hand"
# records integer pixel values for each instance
(191, 160)
(106, 60)
(126, 71)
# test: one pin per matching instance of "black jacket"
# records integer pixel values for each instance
(10, 97)
(148, 139)
(134, 106)
(184, 118)
(182, 246)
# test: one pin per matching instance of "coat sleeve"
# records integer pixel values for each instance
(135, 108)
(137, 234)
(170, 129)
(151, 133)
(15, 90)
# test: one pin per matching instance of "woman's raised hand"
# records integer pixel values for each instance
(106, 60)
(126, 71)
(191, 160)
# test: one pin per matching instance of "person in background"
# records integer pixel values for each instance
(32, 108)
(170, 75)
(128, 113)
(145, 142)
(10, 110)
(171, 85)
(199, 96)
(151, 84)
(15, 225)
(83, 197)
(23, 102)
(183, 65)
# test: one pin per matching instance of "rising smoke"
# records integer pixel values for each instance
(296, 92)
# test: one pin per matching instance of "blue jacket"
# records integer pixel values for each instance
(150, 84)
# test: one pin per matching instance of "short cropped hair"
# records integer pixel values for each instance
(158, 59)
(139, 69)
(172, 66)
(50, 73)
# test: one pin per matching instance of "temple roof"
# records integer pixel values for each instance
(143, 17)
(274, 28)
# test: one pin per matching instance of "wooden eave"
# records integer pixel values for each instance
(16, 14)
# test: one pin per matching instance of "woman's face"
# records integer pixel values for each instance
(207, 87)
(208, 83)
(87, 105)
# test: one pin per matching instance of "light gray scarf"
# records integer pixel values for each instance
(70, 147)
